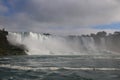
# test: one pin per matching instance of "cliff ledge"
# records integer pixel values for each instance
(7, 49)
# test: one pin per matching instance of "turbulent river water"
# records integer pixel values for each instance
(82, 67)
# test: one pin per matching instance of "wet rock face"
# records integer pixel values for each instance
(6, 48)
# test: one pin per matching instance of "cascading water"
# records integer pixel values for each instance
(40, 44)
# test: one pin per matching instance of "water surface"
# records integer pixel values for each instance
(82, 67)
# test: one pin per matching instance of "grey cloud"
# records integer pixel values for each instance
(76, 12)
(62, 15)
(3, 8)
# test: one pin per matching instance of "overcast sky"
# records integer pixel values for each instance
(60, 16)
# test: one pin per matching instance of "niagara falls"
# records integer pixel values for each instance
(42, 44)
(67, 57)
(59, 39)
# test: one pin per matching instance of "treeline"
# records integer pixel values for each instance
(111, 40)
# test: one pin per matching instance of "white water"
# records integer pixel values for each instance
(39, 44)
(57, 68)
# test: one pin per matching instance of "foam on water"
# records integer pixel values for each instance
(57, 68)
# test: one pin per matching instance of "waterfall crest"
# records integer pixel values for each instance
(40, 44)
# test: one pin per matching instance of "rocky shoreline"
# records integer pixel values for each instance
(7, 49)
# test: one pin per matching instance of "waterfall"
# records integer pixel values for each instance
(40, 44)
